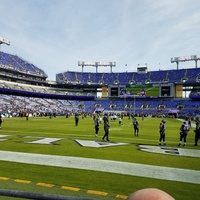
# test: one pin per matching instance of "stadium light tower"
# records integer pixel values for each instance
(185, 59)
(97, 64)
(4, 41)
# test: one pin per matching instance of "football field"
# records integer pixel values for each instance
(56, 157)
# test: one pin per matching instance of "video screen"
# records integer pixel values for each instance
(143, 90)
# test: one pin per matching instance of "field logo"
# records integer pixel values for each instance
(98, 144)
(170, 151)
(3, 138)
(41, 140)
(53, 141)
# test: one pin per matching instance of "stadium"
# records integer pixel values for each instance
(44, 153)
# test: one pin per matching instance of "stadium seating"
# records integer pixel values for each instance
(15, 63)
(12, 63)
(166, 76)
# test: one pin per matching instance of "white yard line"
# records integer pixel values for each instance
(133, 169)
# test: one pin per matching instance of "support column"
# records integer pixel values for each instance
(195, 63)
(177, 64)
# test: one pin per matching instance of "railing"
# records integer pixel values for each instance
(38, 196)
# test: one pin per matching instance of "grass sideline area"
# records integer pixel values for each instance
(86, 183)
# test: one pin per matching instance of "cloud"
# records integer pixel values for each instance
(55, 35)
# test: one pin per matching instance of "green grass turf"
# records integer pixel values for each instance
(113, 184)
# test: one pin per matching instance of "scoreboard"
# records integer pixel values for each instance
(142, 90)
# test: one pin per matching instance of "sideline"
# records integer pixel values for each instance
(133, 169)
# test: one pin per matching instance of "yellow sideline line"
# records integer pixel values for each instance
(22, 181)
(70, 188)
(3, 178)
(119, 196)
(97, 192)
(45, 185)
(63, 187)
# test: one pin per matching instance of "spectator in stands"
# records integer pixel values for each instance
(136, 126)
(183, 133)
(197, 132)
(96, 126)
(162, 128)
(1, 120)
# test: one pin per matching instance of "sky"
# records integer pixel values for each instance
(55, 34)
